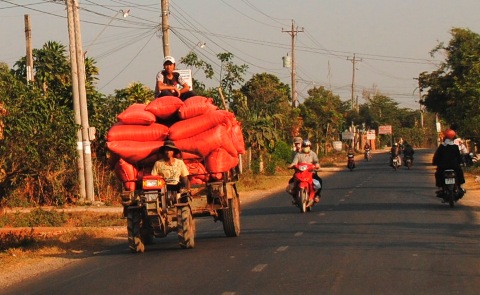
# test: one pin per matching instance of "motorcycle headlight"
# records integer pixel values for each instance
(302, 167)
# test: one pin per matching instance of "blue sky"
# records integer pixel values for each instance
(390, 38)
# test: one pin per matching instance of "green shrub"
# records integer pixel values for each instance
(23, 239)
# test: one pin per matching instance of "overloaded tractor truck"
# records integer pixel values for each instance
(211, 144)
(159, 207)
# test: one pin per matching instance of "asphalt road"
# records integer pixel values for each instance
(375, 231)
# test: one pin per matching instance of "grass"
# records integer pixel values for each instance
(58, 218)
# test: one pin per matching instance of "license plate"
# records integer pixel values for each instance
(449, 180)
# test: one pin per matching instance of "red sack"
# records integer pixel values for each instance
(193, 126)
(220, 161)
(136, 115)
(195, 180)
(127, 174)
(216, 176)
(196, 169)
(134, 151)
(164, 107)
(186, 156)
(196, 106)
(237, 137)
(208, 141)
(122, 132)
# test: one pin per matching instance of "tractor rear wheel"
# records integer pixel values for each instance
(134, 220)
(185, 227)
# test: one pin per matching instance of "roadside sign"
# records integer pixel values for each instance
(347, 135)
(337, 146)
(187, 76)
(371, 135)
(385, 129)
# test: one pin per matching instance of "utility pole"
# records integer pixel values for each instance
(165, 28)
(293, 32)
(87, 153)
(76, 102)
(354, 60)
(28, 39)
(419, 101)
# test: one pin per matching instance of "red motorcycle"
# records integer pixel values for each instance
(303, 188)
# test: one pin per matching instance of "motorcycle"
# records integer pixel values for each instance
(351, 161)
(408, 161)
(396, 162)
(304, 188)
(368, 156)
(451, 191)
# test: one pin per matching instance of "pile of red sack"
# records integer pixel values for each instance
(210, 139)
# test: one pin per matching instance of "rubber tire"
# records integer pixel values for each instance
(185, 227)
(147, 235)
(303, 200)
(135, 243)
(451, 199)
(231, 218)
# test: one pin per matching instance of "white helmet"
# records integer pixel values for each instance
(306, 142)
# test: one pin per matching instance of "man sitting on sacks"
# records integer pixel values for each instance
(172, 169)
(167, 82)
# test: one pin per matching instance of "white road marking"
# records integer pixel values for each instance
(100, 252)
(282, 248)
(297, 234)
(321, 214)
(228, 293)
(259, 267)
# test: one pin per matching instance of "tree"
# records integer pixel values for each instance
(230, 75)
(322, 115)
(38, 146)
(261, 105)
(454, 88)
(51, 70)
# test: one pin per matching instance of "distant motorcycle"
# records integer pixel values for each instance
(351, 161)
(408, 161)
(396, 162)
(451, 191)
(368, 155)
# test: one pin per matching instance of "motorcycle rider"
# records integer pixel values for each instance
(171, 167)
(447, 156)
(297, 142)
(463, 152)
(395, 151)
(366, 148)
(306, 155)
(351, 151)
(407, 151)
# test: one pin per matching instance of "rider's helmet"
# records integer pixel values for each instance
(449, 133)
(306, 143)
